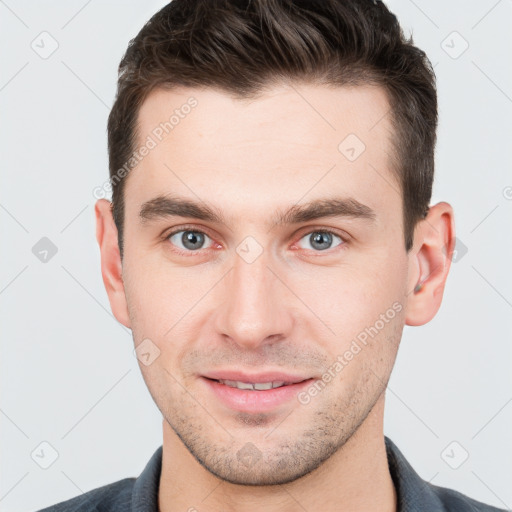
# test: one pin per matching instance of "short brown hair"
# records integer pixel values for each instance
(243, 46)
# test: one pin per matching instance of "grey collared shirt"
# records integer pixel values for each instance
(141, 494)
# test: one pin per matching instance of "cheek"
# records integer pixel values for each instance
(147, 296)
(353, 295)
(365, 358)
(348, 298)
(163, 300)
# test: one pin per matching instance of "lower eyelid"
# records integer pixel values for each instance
(167, 237)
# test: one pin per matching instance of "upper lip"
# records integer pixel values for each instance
(255, 377)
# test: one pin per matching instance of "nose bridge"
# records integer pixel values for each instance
(252, 308)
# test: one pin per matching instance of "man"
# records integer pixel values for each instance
(269, 237)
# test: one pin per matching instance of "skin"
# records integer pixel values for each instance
(295, 308)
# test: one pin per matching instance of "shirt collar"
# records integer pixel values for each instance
(413, 493)
(145, 488)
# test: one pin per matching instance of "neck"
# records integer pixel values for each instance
(355, 478)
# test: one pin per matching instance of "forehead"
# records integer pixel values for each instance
(290, 141)
(319, 114)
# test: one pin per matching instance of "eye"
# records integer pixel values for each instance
(190, 239)
(320, 239)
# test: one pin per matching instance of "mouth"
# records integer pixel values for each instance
(269, 377)
(256, 393)
(253, 386)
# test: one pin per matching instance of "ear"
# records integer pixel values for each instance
(429, 263)
(111, 266)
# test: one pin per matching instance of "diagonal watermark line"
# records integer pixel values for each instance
(310, 189)
(301, 300)
(198, 403)
(212, 491)
(76, 14)
(196, 303)
(398, 191)
(93, 297)
(485, 15)
(117, 382)
(389, 389)
(3, 412)
(13, 279)
(412, 411)
(278, 425)
(379, 120)
(72, 482)
(74, 218)
(492, 81)
(316, 110)
(387, 181)
(493, 287)
(507, 507)
(492, 211)
(14, 76)
(89, 500)
(315, 184)
(84, 84)
(293, 498)
(13, 217)
(14, 485)
(501, 409)
(13, 13)
(430, 481)
(189, 189)
(424, 13)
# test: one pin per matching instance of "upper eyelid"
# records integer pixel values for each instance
(178, 229)
(307, 230)
(312, 229)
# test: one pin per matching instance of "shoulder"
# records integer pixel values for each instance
(112, 497)
(139, 493)
(415, 494)
(454, 501)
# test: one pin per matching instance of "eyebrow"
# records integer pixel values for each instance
(162, 207)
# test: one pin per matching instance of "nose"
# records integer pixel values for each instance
(254, 306)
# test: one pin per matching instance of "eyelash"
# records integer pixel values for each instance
(341, 246)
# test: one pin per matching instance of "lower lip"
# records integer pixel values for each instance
(244, 400)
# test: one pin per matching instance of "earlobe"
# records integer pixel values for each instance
(111, 267)
(429, 264)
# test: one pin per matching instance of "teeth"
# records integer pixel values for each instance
(259, 386)
(263, 385)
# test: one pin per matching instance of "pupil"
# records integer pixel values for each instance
(321, 238)
(192, 239)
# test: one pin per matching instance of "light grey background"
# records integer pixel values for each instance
(68, 374)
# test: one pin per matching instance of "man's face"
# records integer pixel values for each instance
(245, 295)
